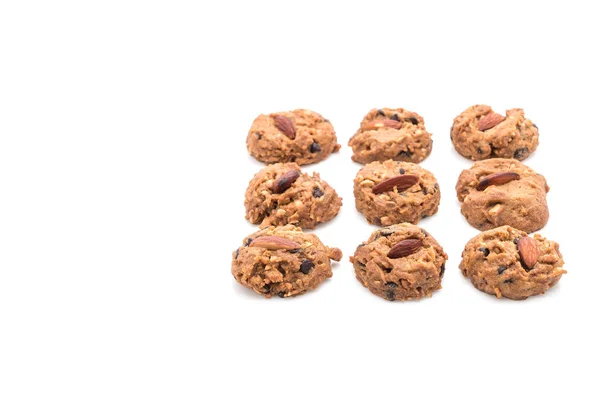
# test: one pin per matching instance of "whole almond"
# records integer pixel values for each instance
(285, 126)
(284, 182)
(382, 123)
(528, 250)
(401, 182)
(499, 178)
(405, 248)
(274, 243)
(489, 121)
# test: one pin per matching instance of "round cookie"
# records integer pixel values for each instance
(281, 194)
(391, 192)
(400, 262)
(391, 134)
(500, 192)
(507, 263)
(282, 261)
(479, 133)
(300, 136)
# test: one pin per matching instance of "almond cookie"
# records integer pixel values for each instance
(400, 262)
(300, 136)
(479, 133)
(282, 261)
(281, 194)
(507, 263)
(503, 192)
(391, 192)
(391, 134)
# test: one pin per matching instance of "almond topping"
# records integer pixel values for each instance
(405, 248)
(528, 250)
(285, 126)
(274, 243)
(499, 178)
(489, 121)
(401, 182)
(284, 182)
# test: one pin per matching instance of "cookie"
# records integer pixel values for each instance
(281, 194)
(507, 263)
(282, 261)
(479, 133)
(391, 192)
(500, 192)
(400, 262)
(391, 134)
(300, 136)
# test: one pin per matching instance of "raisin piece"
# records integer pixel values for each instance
(385, 232)
(317, 192)
(294, 251)
(267, 288)
(424, 232)
(521, 153)
(389, 294)
(442, 270)
(248, 242)
(237, 253)
(511, 280)
(258, 135)
(395, 117)
(391, 284)
(314, 147)
(485, 251)
(501, 269)
(405, 153)
(535, 126)
(414, 121)
(402, 171)
(380, 112)
(306, 266)
(281, 294)
(425, 191)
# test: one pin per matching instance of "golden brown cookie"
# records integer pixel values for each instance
(391, 134)
(400, 262)
(500, 192)
(392, 192)
(282, 261)
(281, 194)
(507, 263)
(479, 133)
(300, 136)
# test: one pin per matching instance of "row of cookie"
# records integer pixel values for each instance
(305, 137)
(398, 262)
(492, 193)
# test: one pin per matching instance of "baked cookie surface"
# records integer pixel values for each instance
(391, 134)
(400, 262)
(479, 133)
(300, 136)
(500, 192)
(507, 263)
(392, 192)
(282, 261)
(281, 194)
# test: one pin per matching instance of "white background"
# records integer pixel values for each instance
(123, 169)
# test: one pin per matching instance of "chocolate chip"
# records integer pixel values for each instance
(425, 190)
(516, 241)
(267, 288)
(237, 253)
(248, 241)
(424, 232)
(380, 112)
(293, 159)
(385, 232)
(402, 171)
(414, 121)
(306, 266)
(395, 117)
(391, 284)
(390, 295)
(479, 151)
(360, 245)
(258, 135)
(521, 153)
(511, 280)
(442, 270)
(317, 192)
(360, 264)
(485, 251)
(294, 251)
(405, 153)
(281, 294)
(501, 269)
(314, 147)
